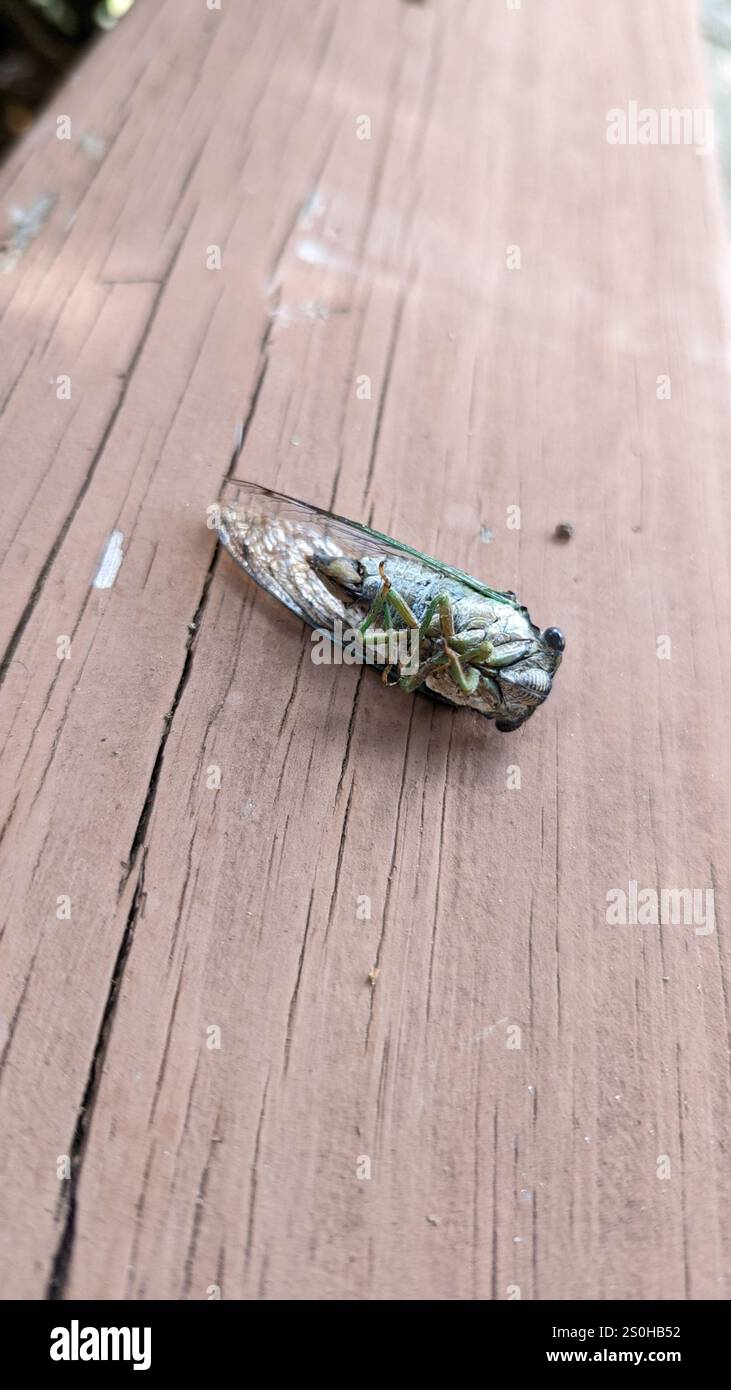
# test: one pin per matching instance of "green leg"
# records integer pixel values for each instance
(388, 595)
(466, 680)
(488, 686)
(388, 627)
(389, 600)
(474, 653)
(442, 604)
(433, 663)
(429, 614)
(374, 612)
(509, 653)
(402, 608)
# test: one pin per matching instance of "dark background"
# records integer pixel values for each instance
(39, 40)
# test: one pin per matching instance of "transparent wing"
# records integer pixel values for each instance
(352, 538)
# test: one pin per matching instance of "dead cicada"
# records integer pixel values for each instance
(430, 627)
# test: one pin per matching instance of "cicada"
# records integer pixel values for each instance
(429, 626)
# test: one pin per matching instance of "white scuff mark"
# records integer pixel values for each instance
(93, 145)
(312, 209)
(26, 223)
(317, 253)
(110, 562)
(283, 314)
(288, 314)
(485, 1032)
(313, 309)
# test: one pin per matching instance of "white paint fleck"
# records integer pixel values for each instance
(110, 562)
(93, 145)
(289, 314)
(312, 209)
(315, 253)
(486, 1032)
(312, 309)
(27, 224)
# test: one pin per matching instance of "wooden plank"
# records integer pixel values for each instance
(493, 1166)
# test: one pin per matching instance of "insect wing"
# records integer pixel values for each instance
(274, 538)
(352, 537)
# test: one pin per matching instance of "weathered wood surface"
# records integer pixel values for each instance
(492, 1165)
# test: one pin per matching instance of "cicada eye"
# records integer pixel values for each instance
(554, 638)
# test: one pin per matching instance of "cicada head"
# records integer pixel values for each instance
(526, 683)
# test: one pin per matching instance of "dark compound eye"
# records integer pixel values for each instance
(554, 638)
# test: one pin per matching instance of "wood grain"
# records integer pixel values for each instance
(496, 1169)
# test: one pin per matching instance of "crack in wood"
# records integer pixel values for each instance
(148, 804)
(61, 1262)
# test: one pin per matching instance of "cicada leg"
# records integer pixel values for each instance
(432, 663)
(454, 649)
(413, 679)
(442, 604)
(471, 651)
(466, 680)
(387, 594)
(387, 602)
(384, 635)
